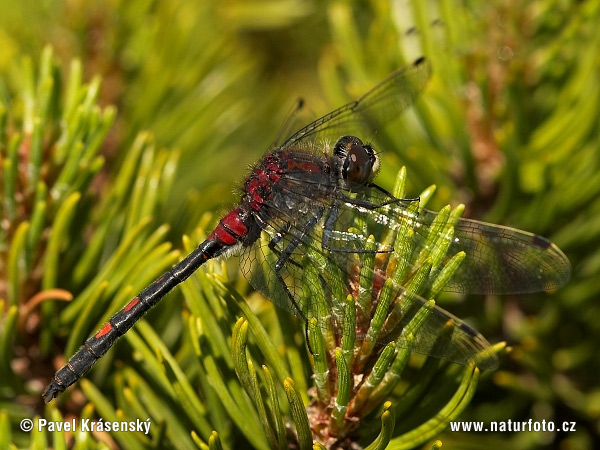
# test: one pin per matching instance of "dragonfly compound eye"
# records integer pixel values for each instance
(357, 163)
(357, 167)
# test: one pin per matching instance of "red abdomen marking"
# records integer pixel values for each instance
(233, 223)
(105, 329)
(230, 228)
(131, 304)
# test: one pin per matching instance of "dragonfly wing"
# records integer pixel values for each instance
(384, 102)
(499, 259)
(425, 328)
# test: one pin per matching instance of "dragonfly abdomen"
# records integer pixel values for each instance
(96, 346)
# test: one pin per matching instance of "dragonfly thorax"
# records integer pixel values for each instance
(354, 162)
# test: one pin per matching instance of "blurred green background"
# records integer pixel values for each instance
(507, 125)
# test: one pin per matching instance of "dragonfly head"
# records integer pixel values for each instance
(355, 162)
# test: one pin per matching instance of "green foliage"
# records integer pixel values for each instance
(507, 125)
(195, 388)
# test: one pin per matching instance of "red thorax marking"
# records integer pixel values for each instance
(305, 166)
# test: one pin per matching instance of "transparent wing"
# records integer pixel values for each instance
(362, 117)
(290, 267)
(499, 259)
(292, 122)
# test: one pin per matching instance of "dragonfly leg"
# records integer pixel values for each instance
(380, 189)
(370, 205)
(332, 216)
(285, 257)
(366, 203)
(278, 237)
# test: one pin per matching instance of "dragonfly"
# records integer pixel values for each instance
(312, 225)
